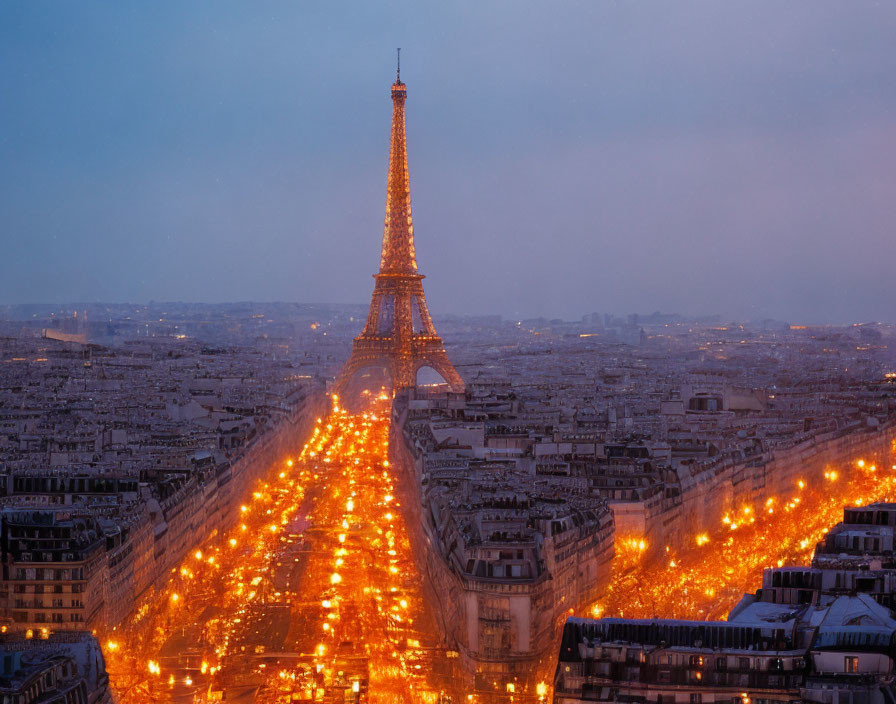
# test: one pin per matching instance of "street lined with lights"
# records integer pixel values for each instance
(313, 593)
(706, 580)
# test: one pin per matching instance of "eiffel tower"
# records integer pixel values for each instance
(399, 335)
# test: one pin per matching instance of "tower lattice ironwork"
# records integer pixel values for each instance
(399, 334)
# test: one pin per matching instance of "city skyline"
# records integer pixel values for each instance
(565, 160)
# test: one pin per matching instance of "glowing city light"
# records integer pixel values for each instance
(706, 580)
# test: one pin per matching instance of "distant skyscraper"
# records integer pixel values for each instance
(399, 334)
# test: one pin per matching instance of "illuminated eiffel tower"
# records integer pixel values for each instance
(399, 335)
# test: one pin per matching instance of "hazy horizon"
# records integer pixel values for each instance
(506, 316)
(705, 158)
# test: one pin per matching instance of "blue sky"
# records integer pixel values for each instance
(565, 158)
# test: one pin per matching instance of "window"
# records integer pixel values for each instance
(721, 664)
(696, 699)
(696, 661)
(743, 663)
(851, 664)
(776, 664)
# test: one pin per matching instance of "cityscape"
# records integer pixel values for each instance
(235, 498)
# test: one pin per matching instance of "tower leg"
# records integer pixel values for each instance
(439, 361)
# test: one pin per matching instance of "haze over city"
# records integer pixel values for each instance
(731, 158)
(637, 446)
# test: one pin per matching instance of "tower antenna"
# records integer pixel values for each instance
(398, 74)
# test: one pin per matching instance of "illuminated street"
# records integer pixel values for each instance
(312, 595)
(707, 580)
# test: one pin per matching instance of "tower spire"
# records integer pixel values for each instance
(398, 72)
(398, 256)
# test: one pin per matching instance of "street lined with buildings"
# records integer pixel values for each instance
(823, 632)
(312, 594)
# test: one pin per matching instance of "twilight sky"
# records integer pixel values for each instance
(565, 157)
